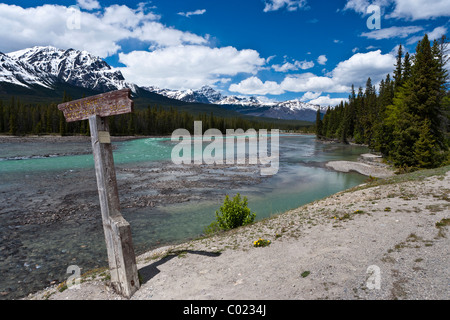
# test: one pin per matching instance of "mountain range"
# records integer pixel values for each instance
(45, 68)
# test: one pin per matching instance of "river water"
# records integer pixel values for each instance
(49, 211)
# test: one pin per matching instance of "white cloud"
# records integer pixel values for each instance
(356, 70)
(420, 9)
(161, 36)
(392, 32)
(296, 65)
(188, 66)
(123, 17)
(361, 66)
(360, 6)
(310, 95)
(88, 4)
(310, 82)
(291, 5)
(436, 34)
(192, 13)
(322, 59)
(325, 101)
(404, 9)
(254, 85)
(98, 33)
(285, 67)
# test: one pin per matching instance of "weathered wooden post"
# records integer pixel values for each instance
(119, 244)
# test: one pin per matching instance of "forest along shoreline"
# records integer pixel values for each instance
(327, 249)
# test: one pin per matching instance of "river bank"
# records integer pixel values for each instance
(58, 138)
(398, 226)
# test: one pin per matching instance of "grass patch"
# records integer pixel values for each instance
(445, 222)
(305, 274)
(418, 175)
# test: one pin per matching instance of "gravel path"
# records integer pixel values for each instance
(382, 242)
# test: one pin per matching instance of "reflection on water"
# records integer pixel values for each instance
(34, 254)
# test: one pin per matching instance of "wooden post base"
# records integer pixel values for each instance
(119, 244)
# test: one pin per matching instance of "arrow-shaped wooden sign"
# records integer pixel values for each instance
(102, 105)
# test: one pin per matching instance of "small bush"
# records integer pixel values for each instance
(232, 214)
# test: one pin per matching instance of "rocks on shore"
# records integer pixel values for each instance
(367, 164)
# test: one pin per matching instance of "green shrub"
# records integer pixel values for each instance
(232, 214)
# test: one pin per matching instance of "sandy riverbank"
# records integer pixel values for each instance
(400, 228)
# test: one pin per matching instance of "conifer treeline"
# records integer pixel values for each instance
(17, 118)
(408, 120)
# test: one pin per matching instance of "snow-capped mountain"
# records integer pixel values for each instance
(22, 73)
(47, 65)
(288, 110)
(205, 95)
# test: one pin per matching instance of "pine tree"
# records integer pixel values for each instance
(424, 90)
(319, 125)
(425, 149)
(62, 124)
(2, 128)
(398, 68)
(406, 75)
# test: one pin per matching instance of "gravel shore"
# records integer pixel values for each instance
(378, 241)
(367, 169)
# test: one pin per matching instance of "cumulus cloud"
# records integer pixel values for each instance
(98, 33)
(325, 101)
(188, 66)
(420, 9)
(290, 5)
(361, 66)
(192, 13)
(310, 82)
(310, 96)
(404, 9)
(296, 65)
(254, 85)
(360, 6)
(322, 59)
(161, 36)
(354, 70)
(88, 4)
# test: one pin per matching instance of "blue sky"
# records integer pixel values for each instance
(277, 49)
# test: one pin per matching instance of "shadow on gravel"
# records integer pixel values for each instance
(148, 272)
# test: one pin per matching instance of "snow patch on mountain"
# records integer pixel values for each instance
(46, 65)
(258, 106)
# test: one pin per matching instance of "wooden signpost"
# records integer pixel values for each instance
(119, 244)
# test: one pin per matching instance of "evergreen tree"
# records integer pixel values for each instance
(424, 90)
(406, 75)
(319, 125)
(425, 149)
(13, 124)
(62, 124)
(2, 128)
(398, 68)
